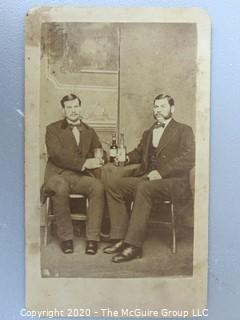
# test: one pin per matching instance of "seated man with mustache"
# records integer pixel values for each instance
(70, 147)
(166, 153)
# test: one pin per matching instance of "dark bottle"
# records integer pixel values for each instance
(113, 148)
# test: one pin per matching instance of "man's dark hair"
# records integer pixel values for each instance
(69, 97)
(165, 96)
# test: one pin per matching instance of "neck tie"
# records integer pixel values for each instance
(159, 125)
(76, 129)
(77, 126)
(157, 134)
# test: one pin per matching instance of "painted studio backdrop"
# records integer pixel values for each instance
(117, 70)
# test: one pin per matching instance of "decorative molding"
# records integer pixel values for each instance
(59, 85)
(103, 126)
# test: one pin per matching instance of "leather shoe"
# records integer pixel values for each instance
(91, 247)
(114, 248)
(129, 253)
(67, 246)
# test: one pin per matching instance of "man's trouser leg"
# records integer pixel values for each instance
(119, 191)
(60, 201)
(63, 185)
(146, 192)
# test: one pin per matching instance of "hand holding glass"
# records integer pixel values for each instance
(98, 154)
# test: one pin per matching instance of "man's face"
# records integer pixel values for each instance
(162, 110)
(72, 110)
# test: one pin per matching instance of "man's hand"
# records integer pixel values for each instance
(116, 161)
(92, 163)
(154, 175)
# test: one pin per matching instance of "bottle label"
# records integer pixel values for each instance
(121, 155)
(113, 152)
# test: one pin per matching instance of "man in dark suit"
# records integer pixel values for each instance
(166, 153)
(70, 146)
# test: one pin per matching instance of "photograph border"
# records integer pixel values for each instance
(172, 293)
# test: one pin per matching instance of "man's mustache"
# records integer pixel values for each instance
(157, 114)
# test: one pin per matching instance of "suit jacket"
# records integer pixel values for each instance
(175, 156)
(63, 151)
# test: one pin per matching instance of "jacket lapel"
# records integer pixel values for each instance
(148, 142)
(85, 139)
(67, 136)
(167, 136)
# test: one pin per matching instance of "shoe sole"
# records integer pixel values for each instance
(120, 261)
(116, 251)
(67, 251)
(91, 253)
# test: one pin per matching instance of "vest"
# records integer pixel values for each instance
(152, 158)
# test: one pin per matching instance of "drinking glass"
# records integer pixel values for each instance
(98, 154)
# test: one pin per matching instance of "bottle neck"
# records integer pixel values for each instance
(114, 142)
(122, 141)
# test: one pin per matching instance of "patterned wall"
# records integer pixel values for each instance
(117, 70)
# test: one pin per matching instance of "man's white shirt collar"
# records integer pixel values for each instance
(75, 130)
(73, 123)
(158, 132)
(166, 122)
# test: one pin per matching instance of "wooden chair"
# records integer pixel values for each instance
(49, 216)
(171, 222)
(173, 213)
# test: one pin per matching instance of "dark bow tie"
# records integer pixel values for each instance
(78, 126)
(159, 125)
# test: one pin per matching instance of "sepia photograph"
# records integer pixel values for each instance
(117, 139)
(92, 76)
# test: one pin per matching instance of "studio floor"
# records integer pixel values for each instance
(157, 261)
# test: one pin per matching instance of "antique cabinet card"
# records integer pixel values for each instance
(117, 60)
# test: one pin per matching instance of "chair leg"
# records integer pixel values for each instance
(78, 231)
(47, 223)
(173, 230)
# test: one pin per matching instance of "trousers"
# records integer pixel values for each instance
(119, 192)
(69, 182)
